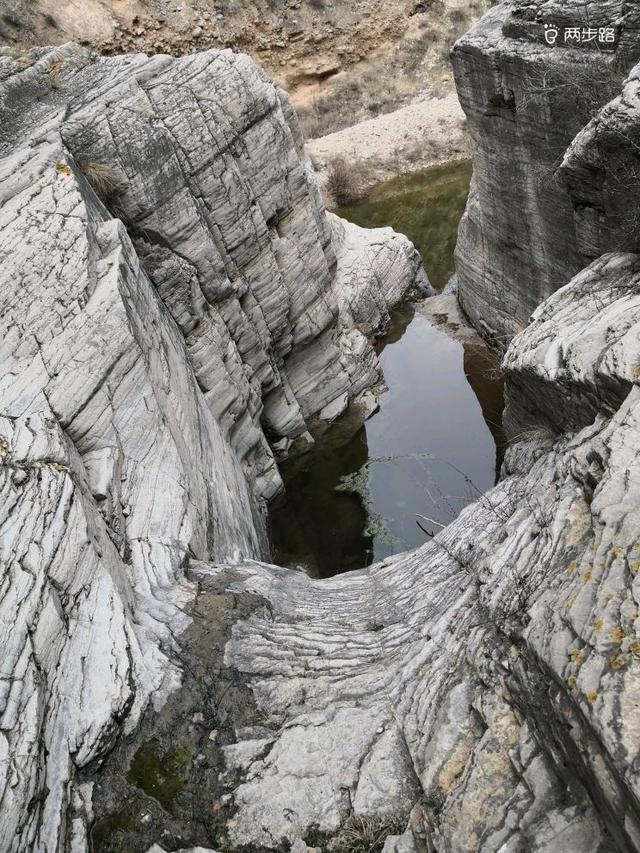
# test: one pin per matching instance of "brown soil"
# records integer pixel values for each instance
(342, 61)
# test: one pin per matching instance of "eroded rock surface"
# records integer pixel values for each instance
(491, 677)
(478, 694)
(527, 229)
(144, 371)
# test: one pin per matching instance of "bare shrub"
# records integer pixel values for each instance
(342, 182)
(622, 189)
(585, 87)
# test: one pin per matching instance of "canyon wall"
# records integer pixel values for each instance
(484, 688)
(145, 369)
(527, 230)
(478, 694)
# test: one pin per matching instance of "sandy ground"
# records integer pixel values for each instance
(421, 134)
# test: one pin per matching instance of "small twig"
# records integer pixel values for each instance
(424, 530)
(430, 520)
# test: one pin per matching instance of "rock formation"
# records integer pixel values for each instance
(143, 369)
(478, 694)
(525, 232)
(341, 61)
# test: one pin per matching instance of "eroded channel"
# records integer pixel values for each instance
(434, 445)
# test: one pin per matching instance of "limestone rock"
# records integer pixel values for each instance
(144, 370)
(523, 233)
(477, 695)
(500, 691)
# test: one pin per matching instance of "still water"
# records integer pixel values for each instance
(435, 443)
(426, 206)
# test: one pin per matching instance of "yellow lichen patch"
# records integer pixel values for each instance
(4, 448)
(568, 602)
(456, 763)
(572, 567)
(618, 550)
(618, 661)
(597, 625)
(635, 647)
(576, 656)
(62, 168)
(55, 65)
(587, 576)
(56, 466)
(571, 681)
(592, 696)
(617, 635)
(636, 372)
(635, 566)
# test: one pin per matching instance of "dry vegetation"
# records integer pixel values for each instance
(343, 183)
(366, 833)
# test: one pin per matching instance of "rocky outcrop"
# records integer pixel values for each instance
(527, 230)
(341, 62)
(144, 371)
(487, 682)
(479, 694)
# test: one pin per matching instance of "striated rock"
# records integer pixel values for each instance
(526, 232)
(174, 299)
(144, 369)
(490, 676)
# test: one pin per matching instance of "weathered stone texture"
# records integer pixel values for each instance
(483, 689)
(143, 371)
(491, 676)
(523, 233)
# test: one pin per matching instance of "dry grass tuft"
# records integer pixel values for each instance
(366, 833)
(104, 180)
(343, 184)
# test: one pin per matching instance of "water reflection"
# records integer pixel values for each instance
(426, 206)
(436, 442)
(432, 448)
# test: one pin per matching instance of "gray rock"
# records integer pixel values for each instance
(526, 232)
(140, 366)
(496, 709)
(508, 663)
(300, 847)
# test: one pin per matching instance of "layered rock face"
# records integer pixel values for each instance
(143, 368)
(490, 679)
(485, 687)
(527, 230)
(480, 693)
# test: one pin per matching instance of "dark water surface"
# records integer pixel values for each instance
(426, 206)
(431, 447)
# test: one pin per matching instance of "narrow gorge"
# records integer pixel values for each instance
(182, 319)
